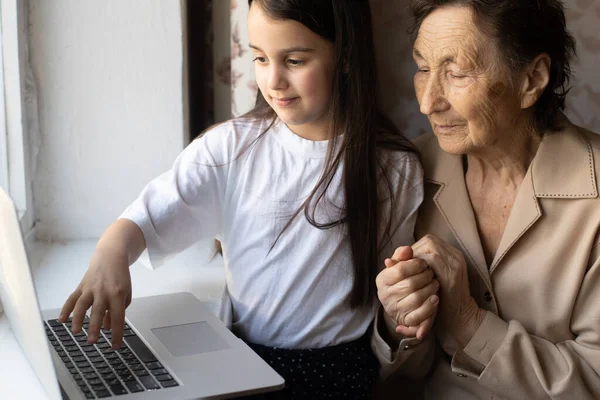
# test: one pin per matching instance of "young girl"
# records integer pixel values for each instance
(307, 193)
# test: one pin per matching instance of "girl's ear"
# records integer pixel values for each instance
(535, 81)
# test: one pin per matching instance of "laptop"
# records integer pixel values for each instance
(173, 348)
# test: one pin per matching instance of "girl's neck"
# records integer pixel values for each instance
(315, 131)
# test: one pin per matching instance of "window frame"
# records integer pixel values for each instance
(14, 135)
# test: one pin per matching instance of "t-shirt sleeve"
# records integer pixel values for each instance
(184, 205)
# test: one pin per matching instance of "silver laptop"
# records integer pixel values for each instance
(173, 347)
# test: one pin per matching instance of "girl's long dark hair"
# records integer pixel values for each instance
(347, 23)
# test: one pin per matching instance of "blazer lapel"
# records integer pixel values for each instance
(563, 168)
(525, 212)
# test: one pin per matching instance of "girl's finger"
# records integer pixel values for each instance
(96, 317)
(84, 302)
(422, 313)
(117, 312)
(401, 270)
(69, 305)
(408, 331)
(106, 323)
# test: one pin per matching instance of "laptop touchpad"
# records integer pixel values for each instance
(190, 339)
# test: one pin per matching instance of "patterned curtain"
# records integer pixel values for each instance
(396, 69)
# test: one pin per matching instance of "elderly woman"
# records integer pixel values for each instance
(510, 224)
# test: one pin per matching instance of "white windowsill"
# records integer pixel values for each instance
(57, 269)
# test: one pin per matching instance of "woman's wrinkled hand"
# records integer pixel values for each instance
(407, 291)
(459, 314)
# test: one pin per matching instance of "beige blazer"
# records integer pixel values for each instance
(540, 338)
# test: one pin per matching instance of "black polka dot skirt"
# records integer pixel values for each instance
(345, 371)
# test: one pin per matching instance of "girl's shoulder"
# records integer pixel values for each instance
(228, 138)
(402, 167)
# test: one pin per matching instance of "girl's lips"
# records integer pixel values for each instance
(284, 102)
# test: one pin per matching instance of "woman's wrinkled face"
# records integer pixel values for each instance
(462, 83)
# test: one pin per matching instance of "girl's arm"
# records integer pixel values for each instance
(106, 286)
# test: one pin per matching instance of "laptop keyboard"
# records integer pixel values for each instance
(100, 371)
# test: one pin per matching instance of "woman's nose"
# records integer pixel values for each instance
(432, 98)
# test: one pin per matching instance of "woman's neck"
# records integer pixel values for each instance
(505, 163)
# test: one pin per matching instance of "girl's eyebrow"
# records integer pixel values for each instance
(296, 49)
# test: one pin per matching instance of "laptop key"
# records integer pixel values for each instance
(118, 389)
(136, 367)
(90, 375)
(128, 378)
(134, 387)
(112, 381)
(54, 322)
(165, 377)
(81, 383)
(149, 383)
(73, 371)
(140, 348)
(141, 372)
(161, 371)
(154, 365)
(87, 370)
(96, 384)
(89, 396)
(103, 393)
(170, 383)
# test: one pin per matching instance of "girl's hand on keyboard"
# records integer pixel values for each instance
(106, 288)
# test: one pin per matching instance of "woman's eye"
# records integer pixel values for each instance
(295, 63)
(261, 60)
(423, 70)
(457, 76)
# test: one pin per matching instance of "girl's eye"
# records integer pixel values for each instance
(295, 63)
(261, 60)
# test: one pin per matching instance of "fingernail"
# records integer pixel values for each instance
(434, 300)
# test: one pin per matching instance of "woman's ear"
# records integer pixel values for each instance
(535, 81)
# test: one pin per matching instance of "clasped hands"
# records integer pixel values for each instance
(422, 281)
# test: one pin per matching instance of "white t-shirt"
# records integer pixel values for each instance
(291, 294)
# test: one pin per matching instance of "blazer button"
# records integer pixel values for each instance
(461, 375)
(487, 296)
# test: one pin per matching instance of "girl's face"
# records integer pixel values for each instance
(294, 71)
